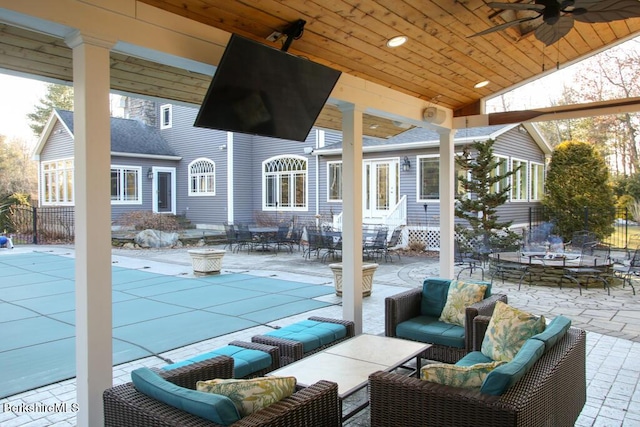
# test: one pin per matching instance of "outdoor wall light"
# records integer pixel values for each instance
(406, 164)
(150, 173)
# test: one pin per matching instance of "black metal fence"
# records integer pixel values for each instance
(31, 225)
(541, 221)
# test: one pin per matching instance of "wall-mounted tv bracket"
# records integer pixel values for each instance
(293, 32)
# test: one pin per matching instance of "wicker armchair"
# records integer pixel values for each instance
(552, 393)
(406, 305)
(124, 406)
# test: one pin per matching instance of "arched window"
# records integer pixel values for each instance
(202, 177)
(284, 183)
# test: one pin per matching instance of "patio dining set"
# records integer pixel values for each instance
(323, 242)
(580, 261)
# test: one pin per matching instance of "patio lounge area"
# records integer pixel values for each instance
(613, 337)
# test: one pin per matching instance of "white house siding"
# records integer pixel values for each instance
(191, 143)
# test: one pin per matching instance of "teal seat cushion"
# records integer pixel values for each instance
(554, 331)
(504, 376)
(245, 361)
(434, 295)
(430, 330)
(212, 407)
(473, 358)
(311, 334)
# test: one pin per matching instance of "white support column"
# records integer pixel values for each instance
(92, 152)
(447, 203)
(231, 213)
(352, 214)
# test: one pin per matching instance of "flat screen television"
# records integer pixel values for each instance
(260, 90)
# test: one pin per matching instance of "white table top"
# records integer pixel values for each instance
(350, 363)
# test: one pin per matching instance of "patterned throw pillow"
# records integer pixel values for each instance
(470, 376)
(508, 330)
(461, 295)
(251, 395)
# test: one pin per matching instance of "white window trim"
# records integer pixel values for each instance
(169, 124)
(418, 172)
(514, 178)
(330, 200)
(306, 185)
(138, 170)
(43, 199)
(190, 175)
(532, 181)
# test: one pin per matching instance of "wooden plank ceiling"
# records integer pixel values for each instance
(439, 63)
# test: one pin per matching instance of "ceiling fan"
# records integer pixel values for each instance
(558, 16)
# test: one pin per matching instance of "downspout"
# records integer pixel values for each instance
(319, 143)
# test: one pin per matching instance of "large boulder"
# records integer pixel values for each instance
(156, 239)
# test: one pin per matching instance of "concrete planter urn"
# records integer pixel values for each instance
(367, 277)
(206, 261)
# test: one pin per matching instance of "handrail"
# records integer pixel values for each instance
(396, 217)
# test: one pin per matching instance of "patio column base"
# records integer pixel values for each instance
(206, 261)
(367, 277)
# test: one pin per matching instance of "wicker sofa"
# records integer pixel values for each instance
(124, 406)
(408, 307)
(551, 393)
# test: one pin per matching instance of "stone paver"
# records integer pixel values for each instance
(612, 322)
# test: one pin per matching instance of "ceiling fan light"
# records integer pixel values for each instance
(481, 84)
(397, 41)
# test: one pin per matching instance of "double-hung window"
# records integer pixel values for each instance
(126, 185)
(429, 178)
(57, 182)
(285, 183)
(537, 181)
(501, 170)
(334, 181)
(519, 180)
(166, 116)
(202, 177)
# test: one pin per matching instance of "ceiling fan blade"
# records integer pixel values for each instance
(503, 26)
(517, 6)
(607, 10)
(549, 34)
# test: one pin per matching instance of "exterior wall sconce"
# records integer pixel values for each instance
(150, 173)
(406, 164)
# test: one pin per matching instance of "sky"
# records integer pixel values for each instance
(19, 98)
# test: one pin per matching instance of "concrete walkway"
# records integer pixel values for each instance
(612, 322)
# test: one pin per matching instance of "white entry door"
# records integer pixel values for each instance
(380, 187)
(164, 190)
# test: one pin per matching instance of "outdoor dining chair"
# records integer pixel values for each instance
(594, 261)
(506, 260)
(628, 271)
(467, 259)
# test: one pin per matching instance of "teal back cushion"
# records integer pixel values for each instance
(212, 407)
(554, 331)
(434, 295)
(504, 376)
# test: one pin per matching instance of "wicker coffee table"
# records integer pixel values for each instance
(350, 363)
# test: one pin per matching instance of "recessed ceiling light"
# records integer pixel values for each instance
(481, 84)
(373, 126)
(396, 41)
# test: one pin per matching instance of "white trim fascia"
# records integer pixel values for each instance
(538, 138)
(46, 133)
(146, 156)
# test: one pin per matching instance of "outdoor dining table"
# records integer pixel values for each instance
(263, 236)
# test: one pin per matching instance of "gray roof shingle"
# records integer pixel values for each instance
(129, 136)
(419, 134)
